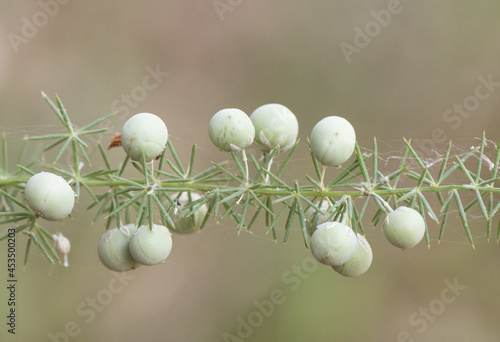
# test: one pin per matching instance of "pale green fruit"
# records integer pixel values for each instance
(144, 133)
(313, 218)
(404, 227)
(113, 249)
(183, 222)
(359, 262)
(333, 243)
(276, 127)
(231, 129)
(333, 140)
(49, 196)
(151, 247)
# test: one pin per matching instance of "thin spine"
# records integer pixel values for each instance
(289, 220)
(269, 218)
(443, 163)
(421, 208)
(285, 161)
(480, 158)
(445, 218)
(315, 161)
(191, 162)
(244, 213)
(176, 157)
(302, 221)
(361, 163)
(463, 217)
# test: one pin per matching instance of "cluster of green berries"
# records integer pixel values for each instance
(272, 126)
(335, 244)
(125, 248)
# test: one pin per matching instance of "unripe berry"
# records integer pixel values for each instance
(231, 129)
(404, 227)
(113, 249)
(333, 140)
(333, 243)
(151, 247)
(359, 262)
(183, 222)
(49, 196)
(275, 127)
(314, 218)
(144, 133)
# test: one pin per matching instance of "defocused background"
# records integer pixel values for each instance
(394, 68)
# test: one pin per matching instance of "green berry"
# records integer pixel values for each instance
(151, 247)
(144, 133)
(49, 196)
(275, 127)
(231, 129)
(359, 262)
(314, 218)
(185, 223)
(333, 140)
(404, 227)
(113, 249)
(333, 243)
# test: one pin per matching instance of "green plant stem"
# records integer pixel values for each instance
(268, 190)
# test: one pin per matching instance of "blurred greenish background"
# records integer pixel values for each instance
(394, 68)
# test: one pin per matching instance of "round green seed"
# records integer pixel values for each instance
(359, 262)
(276, 127)
(49, 196)
(144, 134)
(185, 223)
(404, 227)
(333, 140)
(333, 243)
(113, 249)
(151, 247)
(231, 129)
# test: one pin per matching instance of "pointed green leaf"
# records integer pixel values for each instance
(289, 220)
(463, 216)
